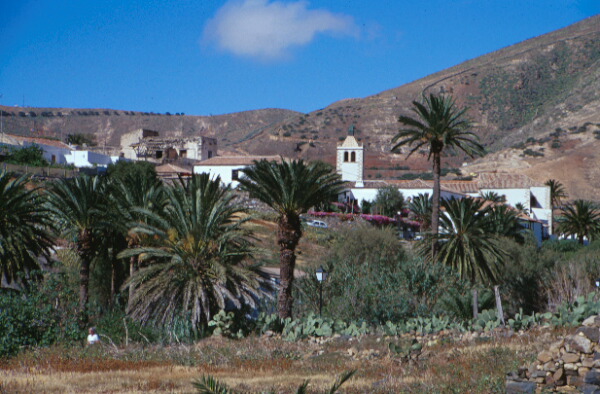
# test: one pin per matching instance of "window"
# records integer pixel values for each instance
(235, 175)
(345, 156)
(209, 154)
(53, 158)
(159, 154)
(353, 157)
(183, 153)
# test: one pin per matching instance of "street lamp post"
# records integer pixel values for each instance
(321, 276)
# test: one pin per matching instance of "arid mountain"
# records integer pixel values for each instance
(536, 105)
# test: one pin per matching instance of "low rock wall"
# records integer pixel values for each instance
(571, 364)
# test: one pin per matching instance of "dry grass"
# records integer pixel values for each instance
(256, 364)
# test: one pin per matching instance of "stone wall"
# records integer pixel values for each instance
(571, 364)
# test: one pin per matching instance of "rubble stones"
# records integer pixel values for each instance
(520, 387)
(592, 333)
(571, 364)
(592, 321)
(578, 344)
(570, 358)
(545, 357)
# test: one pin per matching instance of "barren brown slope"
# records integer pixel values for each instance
(522, 89)
(108, 125)
(540, 93)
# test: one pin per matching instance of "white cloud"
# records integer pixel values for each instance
(267, 30)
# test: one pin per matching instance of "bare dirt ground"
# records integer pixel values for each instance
(259, 364)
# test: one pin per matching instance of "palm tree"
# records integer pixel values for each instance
(290, 188)
(199, 264)
(25, 228)
(420, 206)
(493, 197)
(135, 197)
(580, 219)
(505, 222)
(468, 243)
(79, 206)
(439, 124)
(557, 192)
(521, 208)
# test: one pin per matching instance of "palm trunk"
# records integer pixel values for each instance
(475, 304)
(288, 236)
(113, 281)
(499, 309)
(83, 250)
(435, 204)
(133, 266)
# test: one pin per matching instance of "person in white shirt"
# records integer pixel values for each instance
(93, 337)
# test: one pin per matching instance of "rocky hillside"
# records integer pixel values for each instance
(536, 105)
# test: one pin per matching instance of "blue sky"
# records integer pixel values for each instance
(215, 57)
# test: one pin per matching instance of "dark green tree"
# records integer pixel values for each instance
(25, 227)
(557, 192)
(136, 169)
(81, 139)
(290, 188)
(420, 207)
(135, 198)
(468, 243)
(79, 206)
(493, 197)
(31, 155)
(505, 222)
(580, 219)
(389, 200)
(439, 125)
(200, 263)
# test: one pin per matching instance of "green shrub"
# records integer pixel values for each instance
(32, 156)
(40, 316)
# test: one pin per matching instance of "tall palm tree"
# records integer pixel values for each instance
(25, 227)
(557, 192)
(420, 206)
(581, 219)
(79, 206)
(135, 197)
(290, 188)
(468, 243)
(439, 124)
(198, 265)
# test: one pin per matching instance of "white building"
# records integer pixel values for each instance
(350, 159)
(86, 158)
(54, 151)
(229, 167)
(515, 188)
(57, 152)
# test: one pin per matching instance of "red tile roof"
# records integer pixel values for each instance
(40, 141)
